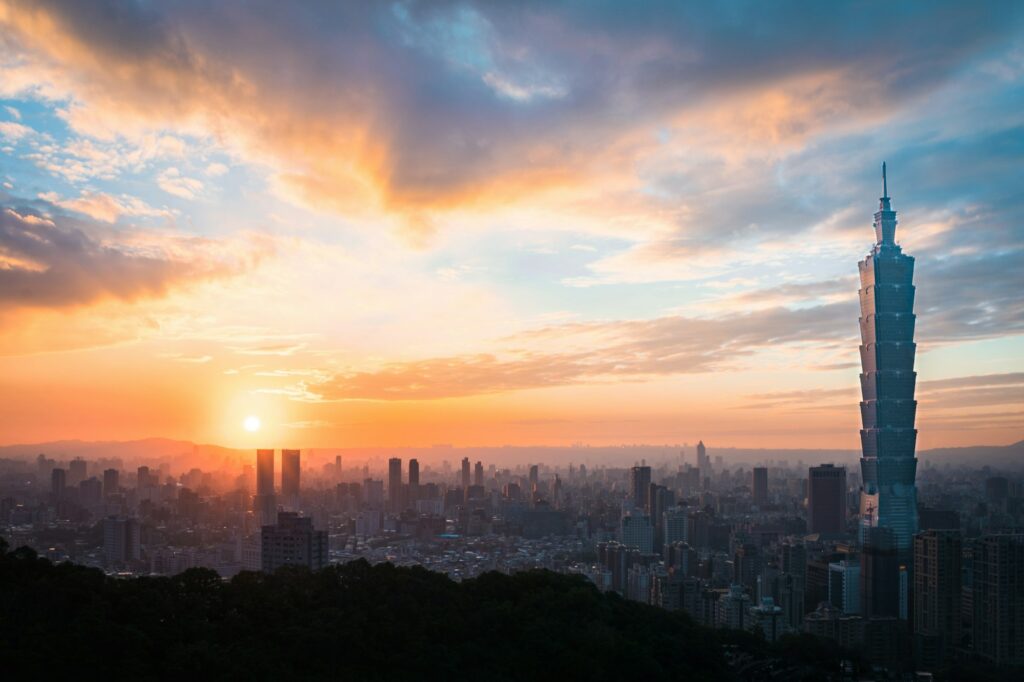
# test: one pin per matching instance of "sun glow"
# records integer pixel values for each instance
(251, 423)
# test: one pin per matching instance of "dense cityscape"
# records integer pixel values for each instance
(599, 255)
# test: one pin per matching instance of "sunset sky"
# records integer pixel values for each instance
(406, 223)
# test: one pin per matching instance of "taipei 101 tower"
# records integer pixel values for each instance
(888, 465)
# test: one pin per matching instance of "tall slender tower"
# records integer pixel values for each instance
(888, 439)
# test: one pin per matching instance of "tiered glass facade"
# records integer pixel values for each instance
(888, 439)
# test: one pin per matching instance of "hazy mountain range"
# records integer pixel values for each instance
(207, 456)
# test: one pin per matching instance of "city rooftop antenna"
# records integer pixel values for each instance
(885, 183)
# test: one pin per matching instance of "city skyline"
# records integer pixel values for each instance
(483, 225)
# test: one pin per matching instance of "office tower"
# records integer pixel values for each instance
(90, 492)
(143, 478)
(703, 461)
(659, 499)
(58, 482)
(879, 574)
(673, 527)
(844, 585)
(888, 465)
(120, 541)
(760, 487)
(936, 596)
(373, 493)
(77, 471)
(534, 477)
(465, 472)
(635, 530)
(998, 596)
(826, 499)
(794, 559)
(746, 566)
(265, 502)
(337, 468)
(111, 482)
(414, 482)
(640, 486)
(292, 542)
(395, 484)
(290, 472)
(478, 474)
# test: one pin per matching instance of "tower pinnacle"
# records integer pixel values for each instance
(885, 183)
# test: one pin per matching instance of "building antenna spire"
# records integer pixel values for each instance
(885, 183)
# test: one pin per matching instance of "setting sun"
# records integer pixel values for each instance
(251, 423)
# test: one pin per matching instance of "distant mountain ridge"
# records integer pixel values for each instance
(183, 451)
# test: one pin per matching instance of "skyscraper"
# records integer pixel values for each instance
(58, 482)
(703, 461)
(936, 596)
(998, 598)
(111, 482)
(77, 471)
(879, 574)
(640, 486)
(478, 473)
(465, 472)
(414, 482)
(395, 484)
(888, 465)
(826, 499)
(290, 471)
(760, 487)
(265, 503)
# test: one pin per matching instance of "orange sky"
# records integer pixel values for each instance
(414, 223)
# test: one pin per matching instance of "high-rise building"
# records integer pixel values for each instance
(465, 472)
(264, 472)
(478, 473)
(879, 574)
(844, 585)
(143, 479)
(414, 482)
(640, 486)
(265, 502)
(826, 499)
(58, 482)
(760, 487)
(936, 596)
(111, 482)
(291, 469)
(998, 598)
(888, 439)
(636, 530)
(703, 461)
(395, 484)
(90, 492)
(77, 471)
(293, 542)
(120, 541)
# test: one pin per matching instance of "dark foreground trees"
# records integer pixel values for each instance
(351, 622)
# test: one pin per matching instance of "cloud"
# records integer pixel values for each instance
(173, 182)
(54, 262)
(585, 353)
(13, 132)
(477, 104)
(104, 207)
